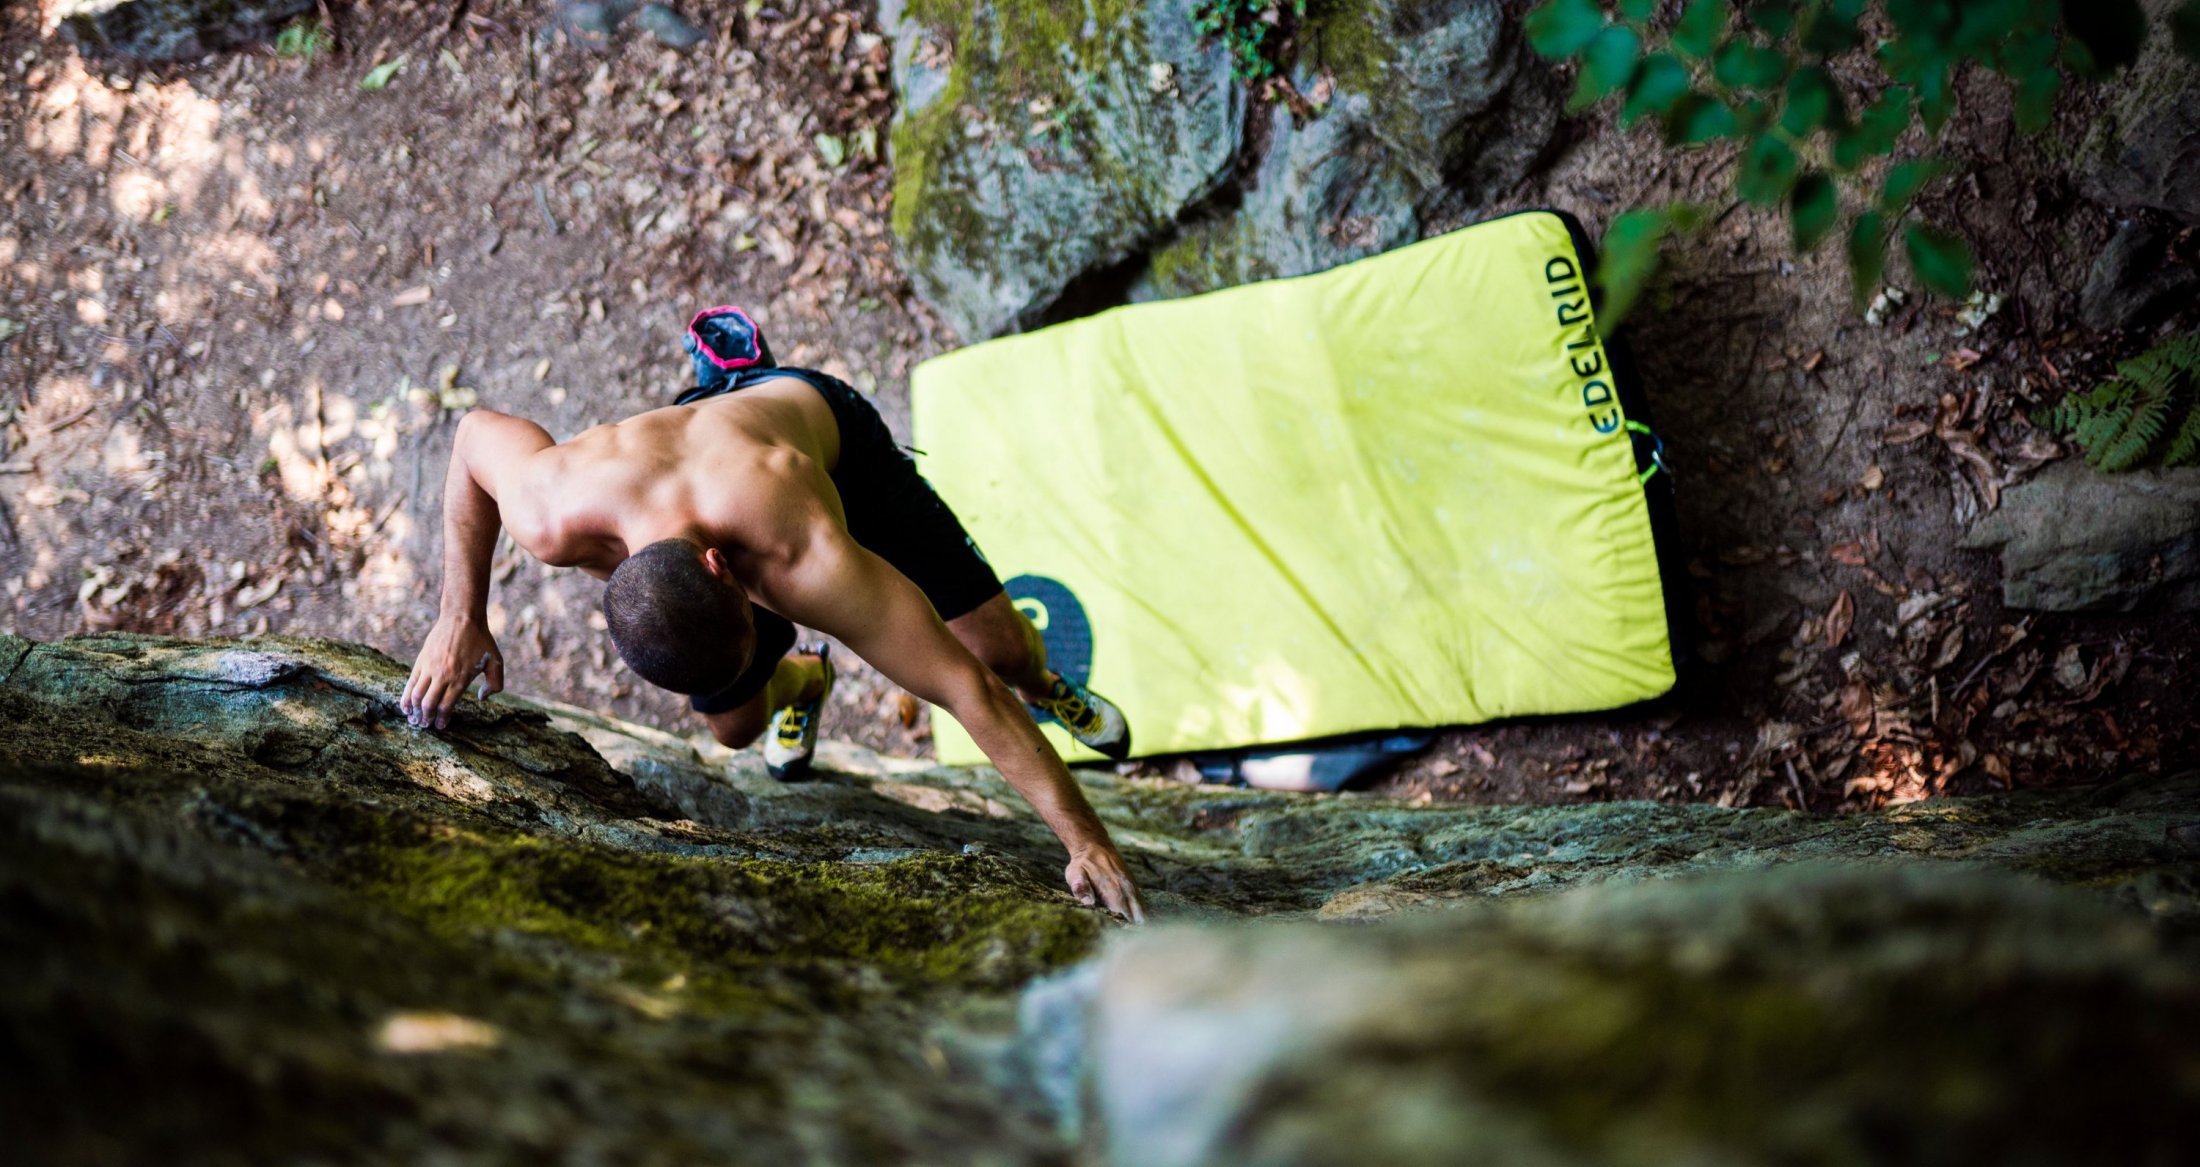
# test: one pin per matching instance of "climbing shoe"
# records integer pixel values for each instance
(791, 741)
(1090, 718)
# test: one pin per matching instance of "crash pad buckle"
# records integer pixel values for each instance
(1657, 452)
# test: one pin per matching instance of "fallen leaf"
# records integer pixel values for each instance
(1874, 477)
(1856, 708)
(412, 297)
(906, 706)
(1902, 433)
(1848, 553)
(381, 75)
(1964, 444)
(1838, 619)
(1951, 647)
(1964, 358)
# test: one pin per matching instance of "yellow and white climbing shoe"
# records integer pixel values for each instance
(791, 741)
(1090, 718)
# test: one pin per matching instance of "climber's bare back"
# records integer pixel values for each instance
(748, 468)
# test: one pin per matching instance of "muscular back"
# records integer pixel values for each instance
(749, 469)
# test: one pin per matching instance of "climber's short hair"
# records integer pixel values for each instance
(677, 625)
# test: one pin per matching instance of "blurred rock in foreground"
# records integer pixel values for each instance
(247, 915)
(172, 30)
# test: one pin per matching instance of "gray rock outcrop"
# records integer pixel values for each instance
(1132, 157)
(247, 914)
(2129, 286)
(1446, 110)
(1814, 1015)
(1034, 144)
(2143, 149)
(2074, 539)
(173, 30)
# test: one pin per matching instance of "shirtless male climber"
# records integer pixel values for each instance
(763, 497)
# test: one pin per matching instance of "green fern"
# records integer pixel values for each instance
(2120, 424)
(2184, 449)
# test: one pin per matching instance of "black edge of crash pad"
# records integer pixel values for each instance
(1658, 491)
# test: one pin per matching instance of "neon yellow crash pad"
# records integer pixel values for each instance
(1397, 493)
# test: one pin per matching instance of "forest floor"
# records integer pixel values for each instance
(242, 304)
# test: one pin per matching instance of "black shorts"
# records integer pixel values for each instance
(892, 511)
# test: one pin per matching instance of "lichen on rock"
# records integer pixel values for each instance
(1038, 146)
(1033, 145)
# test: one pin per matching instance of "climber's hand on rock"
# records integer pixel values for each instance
(1096, 874)
(459, 648)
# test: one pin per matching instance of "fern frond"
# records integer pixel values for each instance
(2149, 409)
(2184, 448)
(2120, 423)
(2110, 411)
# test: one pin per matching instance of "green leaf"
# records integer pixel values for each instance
(380, 76)
(2027, 52)
(2036, 99)
(1905, 179)
(2184, 29)
(1703, 22)
(1810, 101)
(1638, 10)
(1696, 119)
(1831, 30)
(1562, 28)
(2110, 30)
(1936, 99)
(1768, 170)
(831, 149)
(1876, 130)
(1628, 260)
(1867, 255)
(1775, 17)
(1813, 209)
(1606, 65)
(1660, 82)
(1741, 65)
(1942, 261)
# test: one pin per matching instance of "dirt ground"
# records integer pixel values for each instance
(253, 298)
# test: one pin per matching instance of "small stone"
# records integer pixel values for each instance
(670, 28)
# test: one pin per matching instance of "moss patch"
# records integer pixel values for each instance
(739, 934)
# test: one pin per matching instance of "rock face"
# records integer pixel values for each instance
(1133, 160)
(2074, 539)
(1035, 142)
(1812, 1015)
(1440, 108)
(2129, 285)
(245, 910)
(2144, 148)
(174, 30)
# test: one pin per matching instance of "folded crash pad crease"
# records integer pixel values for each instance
(1394, 494)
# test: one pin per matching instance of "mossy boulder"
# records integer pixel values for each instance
(1037, 141)
(248, 914)
(1438, 107)
(173, 30)
(1814, 1015)
(1048, 157)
